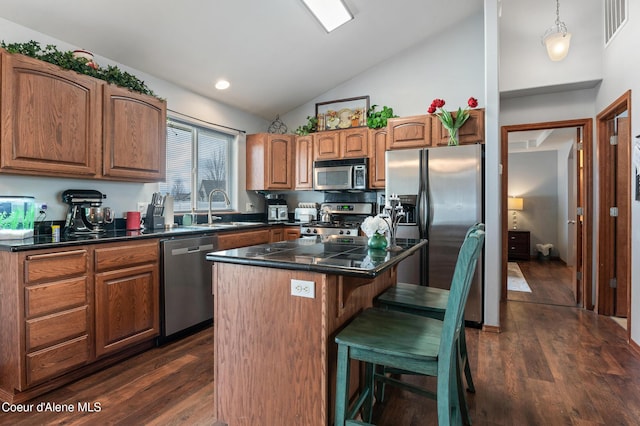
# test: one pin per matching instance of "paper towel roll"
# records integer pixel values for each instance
(168, 211)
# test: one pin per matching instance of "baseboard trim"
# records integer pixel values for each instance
(491, 328)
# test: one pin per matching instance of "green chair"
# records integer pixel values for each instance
(411, 343)
(429, 302)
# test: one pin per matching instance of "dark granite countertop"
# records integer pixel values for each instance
(112, 235)
(333, 255)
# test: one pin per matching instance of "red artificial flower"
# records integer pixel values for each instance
(449, 121)
(431, 109)
(472, 102)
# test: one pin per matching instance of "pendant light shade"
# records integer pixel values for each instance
(557, 39)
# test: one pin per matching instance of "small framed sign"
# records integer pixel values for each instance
(342, 113)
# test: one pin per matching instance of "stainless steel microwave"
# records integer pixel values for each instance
(340, 175)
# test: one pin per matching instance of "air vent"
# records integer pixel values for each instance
(615, 16)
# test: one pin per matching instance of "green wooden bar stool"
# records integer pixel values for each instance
(429, 302)
(411, 343)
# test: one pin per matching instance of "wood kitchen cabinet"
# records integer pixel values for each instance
(56, 122)
(276, 234)
(327, 145)
(68, 312)
(470, 133)
(58, 326)
(51, 119)
(291, 233)
(304, 162)
(338, 144)
(377, 162)
(270, 161)
(409, 132)
(134, 135)
(229, 240)
(127, 295)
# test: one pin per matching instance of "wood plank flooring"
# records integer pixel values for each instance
(551, 365)
(550, 282)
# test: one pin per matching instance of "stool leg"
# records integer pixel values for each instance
(367, 408)
(465, 358)
(342, 385)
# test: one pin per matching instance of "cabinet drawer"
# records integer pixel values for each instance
(48, 266)
(242, 239)
(127, 255)
(45, 331)
(52, 297)
(51, 362)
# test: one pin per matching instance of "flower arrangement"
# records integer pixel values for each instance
(374, 225)
(449, 122)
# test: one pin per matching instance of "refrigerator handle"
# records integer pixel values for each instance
(424, 214)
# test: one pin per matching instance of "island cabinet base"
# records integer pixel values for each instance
(274, 353)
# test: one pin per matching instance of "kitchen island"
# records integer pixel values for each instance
(277, 308)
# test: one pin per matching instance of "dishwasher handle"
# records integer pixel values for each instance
(194, 249)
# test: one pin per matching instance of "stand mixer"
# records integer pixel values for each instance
(85, 216)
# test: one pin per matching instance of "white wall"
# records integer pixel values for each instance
(527, 64)
(534, 177)
(124, 196)
(620, 73)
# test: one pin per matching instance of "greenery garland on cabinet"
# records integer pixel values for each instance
(111, 74)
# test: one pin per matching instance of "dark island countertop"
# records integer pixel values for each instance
(332, 255)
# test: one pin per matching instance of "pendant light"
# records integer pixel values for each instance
(557, 38)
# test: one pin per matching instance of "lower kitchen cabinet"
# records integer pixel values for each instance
(276, 234)
(291, 233)
(229, 240)
(65, 312)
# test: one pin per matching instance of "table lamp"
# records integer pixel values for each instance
(514, 204)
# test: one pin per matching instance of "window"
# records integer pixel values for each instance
(198, 161)
(615, 16)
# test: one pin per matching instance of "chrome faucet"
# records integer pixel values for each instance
(226, 201)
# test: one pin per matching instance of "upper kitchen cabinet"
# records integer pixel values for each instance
(354, 142)
(270, 161)
(304, 162)
(470, 133)
(377, 149)
(337, 144)
(57, 122)
(409, 132)
(134, 135)
(327, 145)
(51, 119)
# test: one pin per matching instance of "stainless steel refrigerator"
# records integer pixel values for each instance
(446, 184)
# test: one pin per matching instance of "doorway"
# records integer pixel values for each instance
(613, 254)
(581, 269)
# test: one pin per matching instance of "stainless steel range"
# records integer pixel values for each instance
(339, 219)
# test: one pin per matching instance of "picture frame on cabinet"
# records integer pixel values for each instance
(342, 113)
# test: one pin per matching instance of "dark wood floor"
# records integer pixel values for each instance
(551, 365)
(550, 281)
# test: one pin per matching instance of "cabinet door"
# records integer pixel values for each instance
(134, 135)
(377, 149)
(50, 119)
(470, 133)
(409, 132)
(354, 143)
(126, 307)
(243, 239)
(280, 162)
(276, 234)
(304, 162)
(291, 233)
(327, 145)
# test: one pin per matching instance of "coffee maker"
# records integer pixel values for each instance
(85, 215)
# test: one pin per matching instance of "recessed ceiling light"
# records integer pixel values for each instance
(330, 13)
(222, 84)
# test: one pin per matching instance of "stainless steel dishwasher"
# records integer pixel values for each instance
(186, 302)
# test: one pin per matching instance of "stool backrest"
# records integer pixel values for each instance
(459, 291)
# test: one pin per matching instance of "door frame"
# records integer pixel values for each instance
(584, 292)
(605, 294)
